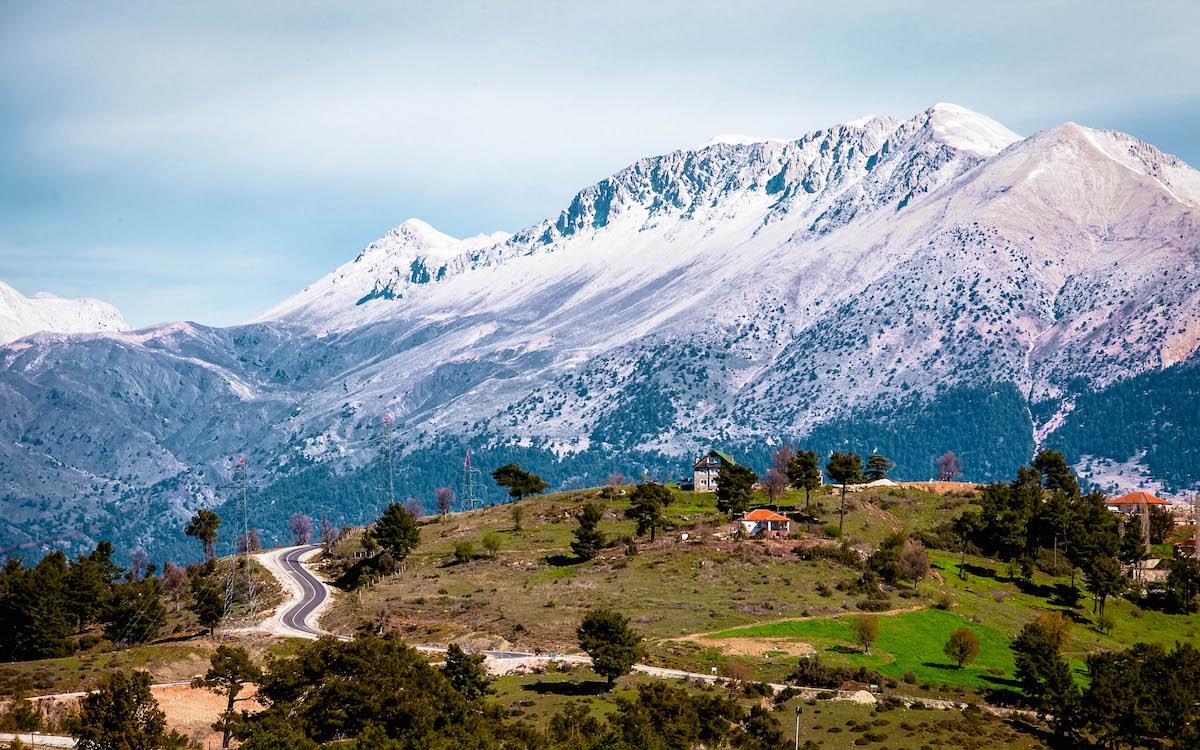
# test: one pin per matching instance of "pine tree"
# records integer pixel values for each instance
(588, 538)
(122, 714)
(519, 482)
(844, 468)
(734, 486)
(804, 472)
(647, 503)
(230, 667)
(613, 645)
(466, 673)
(203, 527)
(878, 467)
(396, 532)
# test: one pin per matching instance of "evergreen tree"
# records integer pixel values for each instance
(135, 613)
(37, 609)
(466, 673)
(966, 527)
(1132, 549)
(588, 538)
(1183, 584)
(647, 503)
(1055, 472)
(90, 582)
(613, 645)
(734, 486)
(332, 690)
(1105, 579)
(844, 469)
(396, 532)
(804, 472)
(1044, 676)
(1093, 532)
(518, 482)
(230, 667)
(121, 714)
(878, 467)
(207, 595)
(203, 527)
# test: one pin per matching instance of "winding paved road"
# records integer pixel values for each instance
(314, 592)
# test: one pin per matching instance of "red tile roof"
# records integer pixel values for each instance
(1138, 498)
(762, 514)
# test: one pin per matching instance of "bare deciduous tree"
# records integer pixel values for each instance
(300, 527)
(445, 501)
(782, 458)
(174, 585)
(775, 483)
(138, 562)
(249, 542)
(330, 534)
(949, 467)
(415, 507)
(611, 484)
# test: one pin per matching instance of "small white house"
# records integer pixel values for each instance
(763, 522)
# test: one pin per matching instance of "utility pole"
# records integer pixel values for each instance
(387, 446)
(799, 710)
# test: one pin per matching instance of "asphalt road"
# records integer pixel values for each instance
(314, 592)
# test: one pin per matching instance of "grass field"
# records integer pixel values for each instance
(908, 644)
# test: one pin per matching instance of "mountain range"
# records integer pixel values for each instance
(907, 286)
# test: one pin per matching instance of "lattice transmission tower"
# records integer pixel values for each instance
(472, 491)
(241, 488)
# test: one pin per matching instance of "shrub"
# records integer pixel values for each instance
(841, 555)
(874, 604)
(491, 543)
(464, 551)
(833, 532)
(944, 601)
(812, 672)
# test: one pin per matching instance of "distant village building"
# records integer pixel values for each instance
(706, 468)
(763, 522)
(1134, 503)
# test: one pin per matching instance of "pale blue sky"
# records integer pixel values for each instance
(204, 162)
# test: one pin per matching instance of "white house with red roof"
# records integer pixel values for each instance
(763, 522)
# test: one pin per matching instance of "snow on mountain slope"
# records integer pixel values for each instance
(411, 254)
(913, 285)
(866, 261)
(21, 316)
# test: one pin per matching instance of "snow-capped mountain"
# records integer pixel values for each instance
(21, 315)
(910, 286)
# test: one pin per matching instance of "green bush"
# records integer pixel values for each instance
(464, 551)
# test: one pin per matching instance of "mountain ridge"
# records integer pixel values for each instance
(914, 286)
(21, 316)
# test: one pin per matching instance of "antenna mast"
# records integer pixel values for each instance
(472, 489)
(241, 485)
(387, 448)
